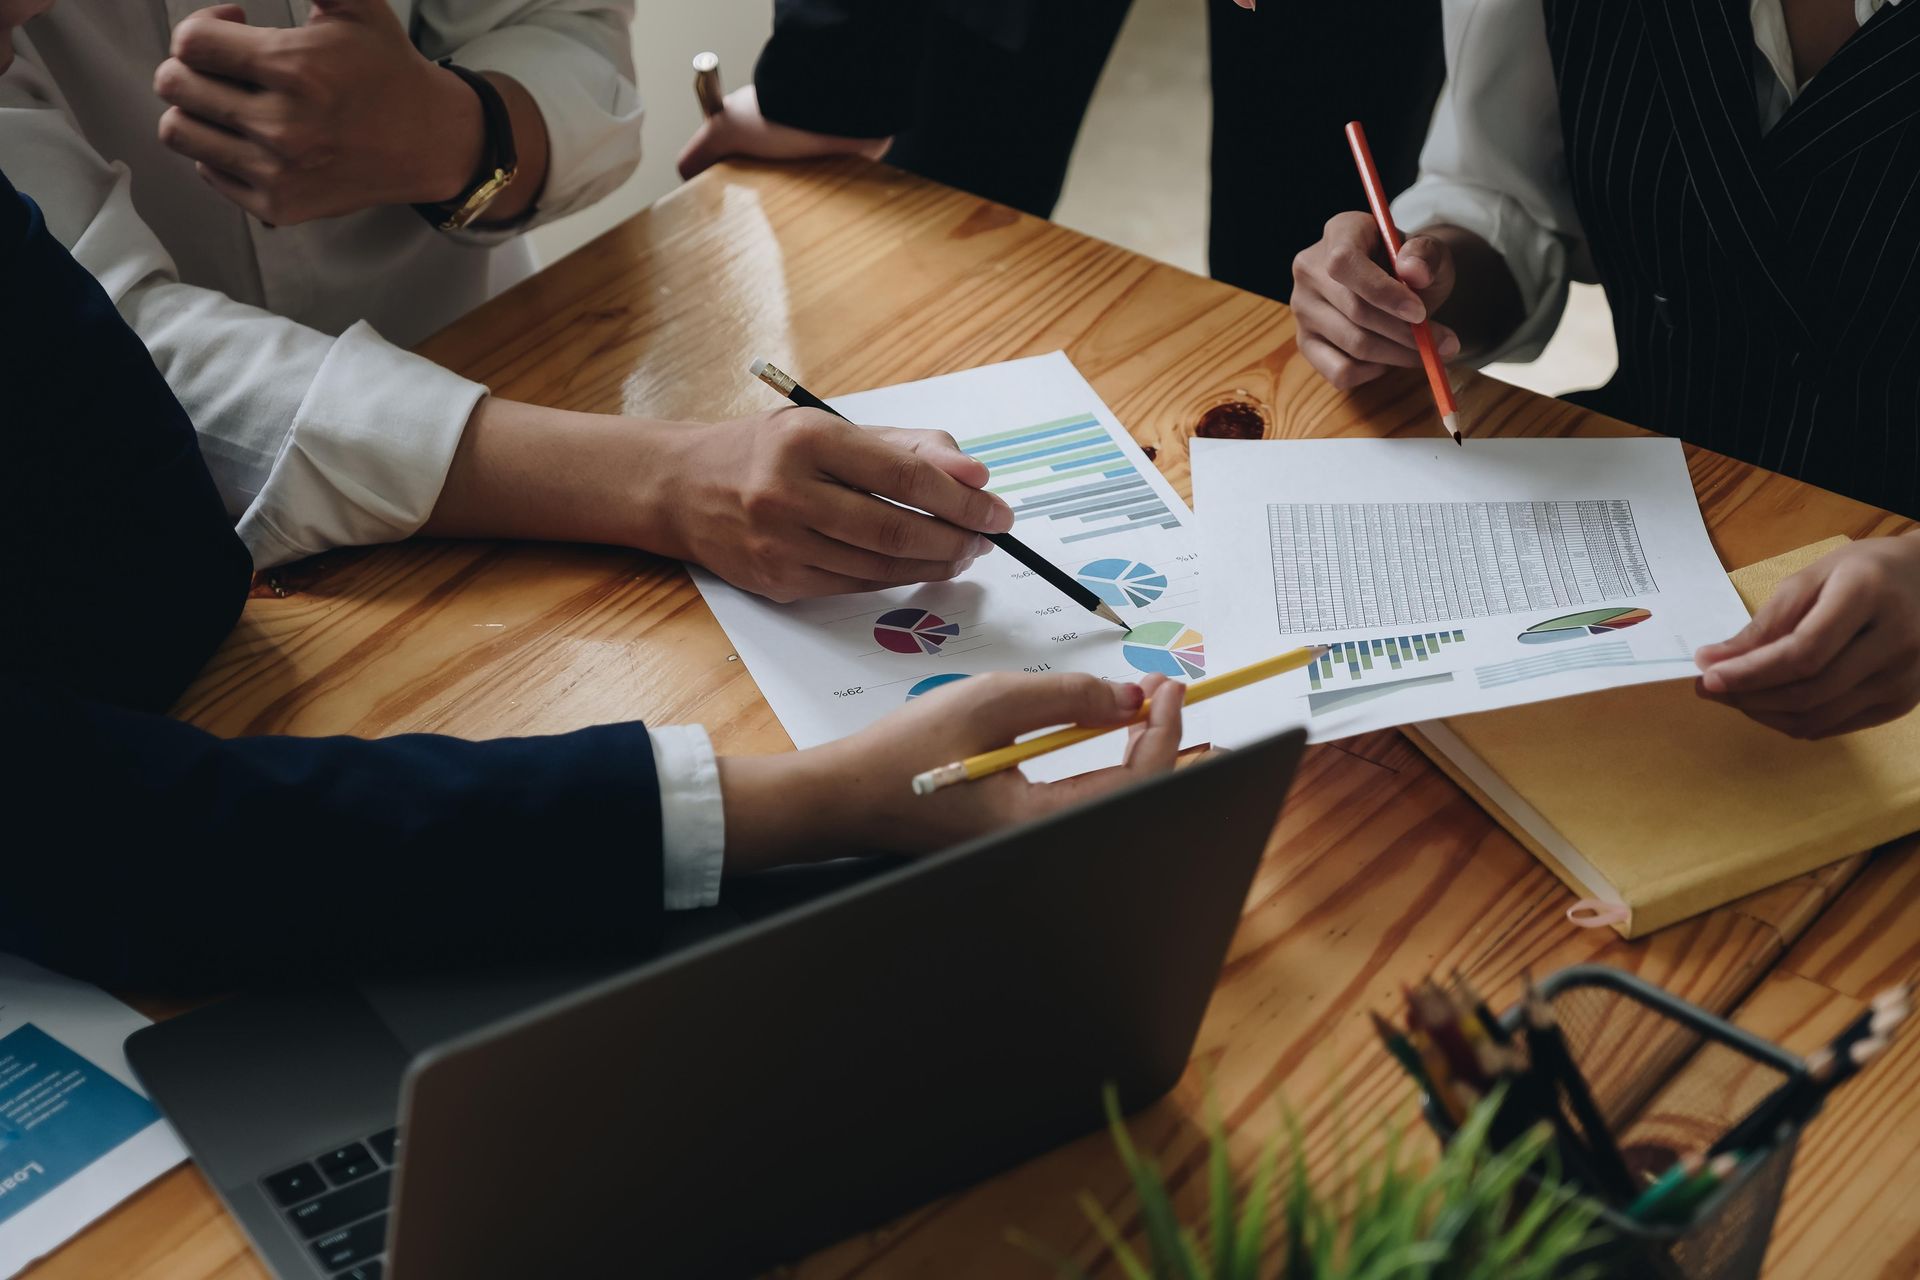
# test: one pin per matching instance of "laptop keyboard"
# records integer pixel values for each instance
(337, 1202)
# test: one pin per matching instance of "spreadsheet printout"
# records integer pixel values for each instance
(1448, 580)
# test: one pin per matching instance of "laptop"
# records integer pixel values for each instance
(750, 1097)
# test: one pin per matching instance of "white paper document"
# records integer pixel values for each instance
(77, 1134)
(1084, 496)
(1450, 580)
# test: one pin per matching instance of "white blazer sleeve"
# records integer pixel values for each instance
(575, 58)
(314, 441)
(1494, 163)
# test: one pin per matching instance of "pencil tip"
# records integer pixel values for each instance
(1106, 611)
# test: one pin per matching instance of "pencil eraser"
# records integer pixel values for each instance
(757, 368)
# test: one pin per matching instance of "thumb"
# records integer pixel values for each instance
(1777, 617)
(706, 147)
(1425, 265)
(1011, 705)
(222, 13)
(944, 452)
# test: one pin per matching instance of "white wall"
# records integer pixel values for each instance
(666, 35)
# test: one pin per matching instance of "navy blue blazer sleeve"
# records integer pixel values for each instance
(146, 852)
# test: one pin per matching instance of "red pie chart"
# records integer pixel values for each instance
(913, 631)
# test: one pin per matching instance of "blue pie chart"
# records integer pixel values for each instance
(1121, 582)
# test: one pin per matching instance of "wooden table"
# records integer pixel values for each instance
(853, 275)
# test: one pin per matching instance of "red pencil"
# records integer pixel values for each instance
(1422, 336)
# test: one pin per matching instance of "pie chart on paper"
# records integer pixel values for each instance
(923, 687)
(1166, 648)
(1594, 622)
(1123, 582)
(913, 631)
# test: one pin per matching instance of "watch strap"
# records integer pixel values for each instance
(497, 155)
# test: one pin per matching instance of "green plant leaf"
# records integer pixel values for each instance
(1462, 1217)
(1171, 1260)
(1123, 1253)
(1251, 1234)
(1062, 1265)
(1226, 1253)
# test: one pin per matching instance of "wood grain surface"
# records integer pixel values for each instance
(853, 275)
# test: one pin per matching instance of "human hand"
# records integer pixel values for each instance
(856, 795)
(1355, 319)
(16, 13)
(1836, 649)
(316, 121)
(782, 504)
(740, 130)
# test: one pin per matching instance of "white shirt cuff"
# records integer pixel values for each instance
(367, 455)
(693, 830)
(1537, 257)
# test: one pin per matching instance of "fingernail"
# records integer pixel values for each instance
(1449, 344)
(1129, 696)
(981, 546)
(1413, 311)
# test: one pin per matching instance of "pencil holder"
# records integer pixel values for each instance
(1670, 1078)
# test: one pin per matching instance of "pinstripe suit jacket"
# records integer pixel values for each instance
(1764, 288)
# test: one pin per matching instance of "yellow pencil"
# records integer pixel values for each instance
(991, 762)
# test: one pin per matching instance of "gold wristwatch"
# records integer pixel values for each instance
(498, 161)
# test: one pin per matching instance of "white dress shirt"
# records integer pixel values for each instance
(1494, 162)
(693, 832)
(318, 430)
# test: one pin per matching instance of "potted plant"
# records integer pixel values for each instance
(1474, 1214)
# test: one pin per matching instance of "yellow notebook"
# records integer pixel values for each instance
(1659, 805)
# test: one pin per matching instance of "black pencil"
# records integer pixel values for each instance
(1494, 1027)
(1065, 583)
(1795, 1101)
(1547, 1051)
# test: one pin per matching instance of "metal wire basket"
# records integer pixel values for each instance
(1670, 1078)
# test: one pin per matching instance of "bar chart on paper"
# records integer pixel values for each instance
(1354, 671)
(1072, 473)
